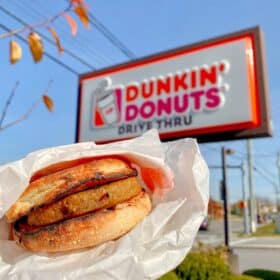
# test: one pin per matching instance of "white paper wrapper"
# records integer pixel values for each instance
(154, 247)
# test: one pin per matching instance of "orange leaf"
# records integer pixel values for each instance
(36, 46)
(81, 3)
(15, 52)
(82, 14)
(72, 23)
(48, 102)
(56, 38)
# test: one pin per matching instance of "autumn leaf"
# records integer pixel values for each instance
(81, 3)
(15, 52)
(56, 38)
(72, 23)
(82, 14)
(48, 102)
(36, 46)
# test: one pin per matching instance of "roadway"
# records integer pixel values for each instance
(215, 234)
(261, 252)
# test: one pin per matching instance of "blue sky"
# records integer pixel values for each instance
(146, 27)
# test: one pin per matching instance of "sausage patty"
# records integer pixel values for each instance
(77, 204)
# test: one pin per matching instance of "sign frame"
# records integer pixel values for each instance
(261, 85)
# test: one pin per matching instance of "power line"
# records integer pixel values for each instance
(108, 34)
(21, 38)
(217, 150)
(256, 154)
(93, 20)
(111, 37)
(264, 176)
(270, 173)
(264, 155)
(7, 12)
(243, 154)
(81, 42)
(264, 173)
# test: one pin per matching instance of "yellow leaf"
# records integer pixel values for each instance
(15, 52)
(36, 46)
(56, 38)
(82, 14)
(72, 23)
(48, 102)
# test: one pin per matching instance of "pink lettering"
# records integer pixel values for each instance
(196, 95)
(131, 112)
(147, 109)
(164, 106)
(213, 98)
(184, 106)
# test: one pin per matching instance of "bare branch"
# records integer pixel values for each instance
(38, 24)
(8, 103)
(23, 117)
(48, 86)
(26, 114)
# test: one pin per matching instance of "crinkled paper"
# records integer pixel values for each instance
(155, 246)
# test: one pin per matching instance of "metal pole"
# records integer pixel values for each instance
(278, 189)
(244, 197)
(225, 197)
(251, 188)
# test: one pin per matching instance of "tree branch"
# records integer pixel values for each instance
(23, 117)
(26, 114)
(39, 24)
(48, 86)
(8, 103)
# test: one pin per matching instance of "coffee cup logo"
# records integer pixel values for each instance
(106, 107)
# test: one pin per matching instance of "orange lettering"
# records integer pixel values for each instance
(164, 85)
(208, 75)
(180, 82)
(131, 93)
(147, 89)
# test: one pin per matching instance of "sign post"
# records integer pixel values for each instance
(244, 198)
(225, 196)
(253, 215)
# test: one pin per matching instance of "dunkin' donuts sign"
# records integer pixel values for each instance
(210, 88)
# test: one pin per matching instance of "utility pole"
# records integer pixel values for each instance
(277, 189)
(251, 188)
(225, 197)
(244, 195)
(244, 198)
